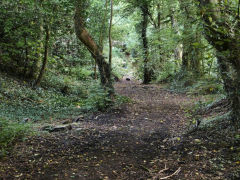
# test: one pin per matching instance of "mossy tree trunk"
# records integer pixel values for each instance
(227, 44)
(147, 77)
(45, 57)
(39, 54)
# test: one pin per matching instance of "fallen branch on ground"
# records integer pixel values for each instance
(175, 173)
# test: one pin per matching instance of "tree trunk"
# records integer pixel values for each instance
(227, 52)
(36, 62)
(45, 58)
(185, 55)
(159, 16)
(147, 72)
(190, 58)
(110, 36)
(26, 57)
(90, 44)
(101, 37)
(231, 82)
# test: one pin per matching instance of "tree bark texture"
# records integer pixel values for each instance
(227, 45)
(147, 71)
(90, 44)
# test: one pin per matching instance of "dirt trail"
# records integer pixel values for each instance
(133, 142)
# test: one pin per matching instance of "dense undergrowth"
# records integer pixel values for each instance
(59, 97)
(19, 100)
(195, 85)
(10, 133)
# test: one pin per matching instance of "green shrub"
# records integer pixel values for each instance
(166, 74)
(119, 100)
(98, 99)
(206, 86)
(192, 84)
(81, 73)
(10, 133)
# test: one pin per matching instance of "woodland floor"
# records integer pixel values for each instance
(142, 140)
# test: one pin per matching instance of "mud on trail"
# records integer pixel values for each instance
(136, 141)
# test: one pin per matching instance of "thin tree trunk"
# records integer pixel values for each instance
(101, 37)
(95, 70)
(190, 59)
(159, 16)
(110, 36)
(26, 55)
(185, 54)
(110, 46)
(45, 58)
(36, 62)
(147, 73)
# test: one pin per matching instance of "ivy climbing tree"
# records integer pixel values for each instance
(221, 24)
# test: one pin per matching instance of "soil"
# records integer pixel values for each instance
(145, 139)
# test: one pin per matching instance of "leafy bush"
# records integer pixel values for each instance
(81, 73)
(119, 100)
(166, 74)
(98, 99)
(10, 133)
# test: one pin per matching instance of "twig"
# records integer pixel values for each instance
(176, 172)
(161, 171)
(144, 168)
(165, 169)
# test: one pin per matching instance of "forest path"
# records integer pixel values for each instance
(133, 142)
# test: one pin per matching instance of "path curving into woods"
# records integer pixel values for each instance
(136, 141)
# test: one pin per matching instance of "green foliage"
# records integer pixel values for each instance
(195, 85)
(167, 73)
(182, 81)
(82, 73)
(98, 99)
(18, 100)
(22, 32)
(69, 72)
(206, 86)
(120, 100)
(10, 134)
